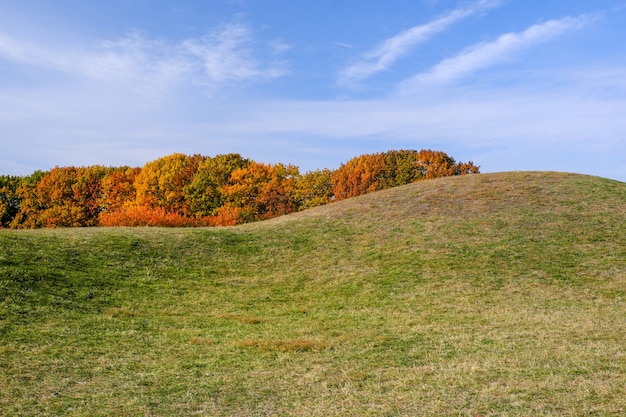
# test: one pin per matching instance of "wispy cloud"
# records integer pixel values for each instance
(28, 53)
(228, 56)
(392, 49)
(223, 56)
(619, 7)
(487, 54)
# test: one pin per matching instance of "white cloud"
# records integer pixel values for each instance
(486, 54)
(479, 117)
(29, 53)
(227, 56)
(392, 49)
(279, 46)
(224, 56)
(619, 7)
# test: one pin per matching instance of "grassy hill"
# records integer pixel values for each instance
(492, 294)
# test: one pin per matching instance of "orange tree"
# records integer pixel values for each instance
(367, 173)
(437, 164)
(257, 192)
(153, 195)
(118, 195)
(63, 197)
(118, 189)
(360, 175)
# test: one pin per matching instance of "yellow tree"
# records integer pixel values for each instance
(260, 191)
(314, 189)
(26, 216)
(161, 183)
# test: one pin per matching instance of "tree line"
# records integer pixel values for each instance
(195, 190)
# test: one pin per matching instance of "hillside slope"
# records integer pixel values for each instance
(490, 294)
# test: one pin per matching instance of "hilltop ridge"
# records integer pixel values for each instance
(488, 294)
(486, 193)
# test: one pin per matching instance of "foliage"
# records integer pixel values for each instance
(360, 175)
(374, 172)
(118, 189)
(228, 215)
(437, 164)
(183, 190)
(314, 189)
(63, 197)
(161, 183)
(9, 199)
(149, 216)
(27, 205)
(204, 193)
(153, 195)
(261, 191)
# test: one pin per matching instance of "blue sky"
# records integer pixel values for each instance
(507, 84)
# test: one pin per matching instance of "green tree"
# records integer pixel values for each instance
(400, 168)
(204, 193)
(9, 199)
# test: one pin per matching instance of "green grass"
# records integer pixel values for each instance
(491, 295)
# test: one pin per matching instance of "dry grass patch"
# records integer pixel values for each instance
(242, 319)
(201, 341)
(120, 312)
(296, 345)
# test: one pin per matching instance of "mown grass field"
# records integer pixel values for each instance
(486, 295)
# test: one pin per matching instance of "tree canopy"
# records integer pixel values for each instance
(183, 190)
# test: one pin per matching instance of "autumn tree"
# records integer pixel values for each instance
(367, 173)
(204, 193)
(87, 191)
(118, 196)
(277, 197)
(437, 164)
(400, 168)
(360, 175)
(26, 216)
(259, 191)
(63, 197)
(314, 189)
(9, 199)
(181, 190)
(153, 195)
(118, 189)
(161, 183)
